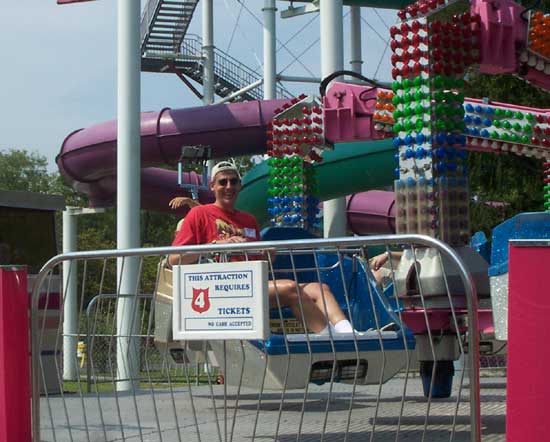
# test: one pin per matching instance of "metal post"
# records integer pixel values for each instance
(270, 54)
(208, 52)
(70, 302)
(355, 39)
(128, 187)
(332, 60)
(208, 59)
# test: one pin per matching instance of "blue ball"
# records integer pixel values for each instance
(441, 138)
(420, 153)
(397, 141)
(469, 107)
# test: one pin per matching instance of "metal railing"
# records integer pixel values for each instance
(296, 385)
(229, 70)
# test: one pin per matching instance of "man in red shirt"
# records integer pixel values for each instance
(221, 223)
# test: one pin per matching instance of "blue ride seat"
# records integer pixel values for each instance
(368, 308)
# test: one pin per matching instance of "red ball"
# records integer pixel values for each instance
(436, 26)
(402, 14)
(466, 18)
(436, 40)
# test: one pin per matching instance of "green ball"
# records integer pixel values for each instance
(396, 86)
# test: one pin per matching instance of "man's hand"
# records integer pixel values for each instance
(379, 260)
(179, 201)
(231, 239)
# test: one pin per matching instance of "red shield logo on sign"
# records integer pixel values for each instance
(201, 301)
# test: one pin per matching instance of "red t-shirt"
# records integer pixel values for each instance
(207, 223)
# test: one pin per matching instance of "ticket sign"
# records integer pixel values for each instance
(221, 301)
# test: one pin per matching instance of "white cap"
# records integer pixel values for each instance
(224, 166)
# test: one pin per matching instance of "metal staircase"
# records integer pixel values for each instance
(164, 24)
(166, 48)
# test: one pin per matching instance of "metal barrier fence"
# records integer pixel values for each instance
(296, 385)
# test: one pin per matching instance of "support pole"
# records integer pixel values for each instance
(355, 39)
(332, 60)
(208, 52)
(270, 53)
(208, 59)
(70, 302)
(128, 190)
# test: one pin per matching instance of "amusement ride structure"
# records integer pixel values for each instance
(413, 134)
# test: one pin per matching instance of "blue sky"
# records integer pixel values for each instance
(59, 63)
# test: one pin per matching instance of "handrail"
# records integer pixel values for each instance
(229, 68)
(444, 250)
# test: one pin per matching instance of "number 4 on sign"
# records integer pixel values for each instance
(201, 301)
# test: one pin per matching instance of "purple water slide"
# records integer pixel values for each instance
(87, 159)
(371, 212)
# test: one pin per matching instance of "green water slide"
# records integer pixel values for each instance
(349, 168)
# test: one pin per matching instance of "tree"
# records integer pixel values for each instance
(514, 182)
(23, 170)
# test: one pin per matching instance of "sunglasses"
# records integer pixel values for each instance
(233, 181)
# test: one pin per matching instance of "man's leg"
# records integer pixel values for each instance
(286, 291)
(324, 299)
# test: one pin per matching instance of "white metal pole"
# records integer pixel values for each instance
(355, 39)
(70, 302)
(270, 50)
(208, 59)
(208, 51)
(332, 60)
(128, 189)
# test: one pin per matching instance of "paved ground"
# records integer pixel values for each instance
(201, 414)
